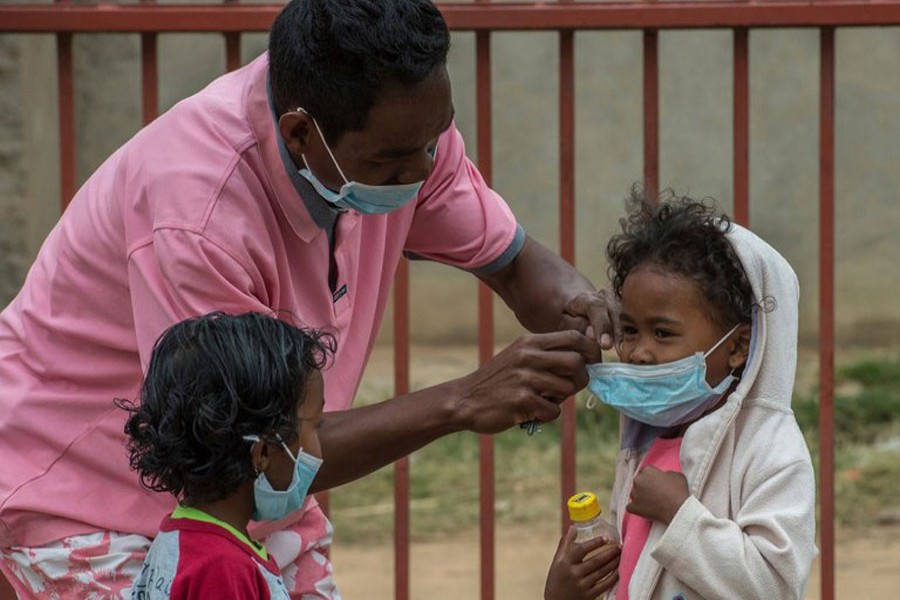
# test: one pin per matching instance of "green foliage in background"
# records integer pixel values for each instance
(867, 440)
(444, 477)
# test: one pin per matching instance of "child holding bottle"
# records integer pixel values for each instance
(714, 495)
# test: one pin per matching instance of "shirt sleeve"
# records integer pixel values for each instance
(181, 274)
(459, 220)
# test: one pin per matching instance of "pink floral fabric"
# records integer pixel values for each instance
(103, 565)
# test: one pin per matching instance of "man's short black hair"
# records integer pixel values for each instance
(212, 380)
(333, 57)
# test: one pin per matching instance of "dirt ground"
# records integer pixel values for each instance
(866, 566)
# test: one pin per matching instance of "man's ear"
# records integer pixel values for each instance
(296, 129)
(739, 347)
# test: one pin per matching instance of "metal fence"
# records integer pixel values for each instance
(483, 17)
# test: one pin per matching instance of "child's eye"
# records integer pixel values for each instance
(662, 333)
(629, 330)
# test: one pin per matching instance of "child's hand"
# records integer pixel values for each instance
(658, 494)
(572, 577)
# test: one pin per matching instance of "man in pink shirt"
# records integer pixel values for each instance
(293, 185)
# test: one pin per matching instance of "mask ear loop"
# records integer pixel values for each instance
(721, 341)
(327, 148)
(256, 439)
(288, 450)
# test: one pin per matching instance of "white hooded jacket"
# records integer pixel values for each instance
(747, 531)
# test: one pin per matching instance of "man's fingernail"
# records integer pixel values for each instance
(605, 340)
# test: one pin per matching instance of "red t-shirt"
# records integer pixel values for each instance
(195, 560)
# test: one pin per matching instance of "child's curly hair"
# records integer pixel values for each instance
(211, 380)
(684, 237)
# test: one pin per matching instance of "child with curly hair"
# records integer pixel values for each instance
(714, 495)
(227, 424)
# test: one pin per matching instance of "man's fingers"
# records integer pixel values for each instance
(554, 385)
(601, 310)
(571, 340)
(542, 411)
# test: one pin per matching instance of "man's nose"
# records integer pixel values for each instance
(417, 169)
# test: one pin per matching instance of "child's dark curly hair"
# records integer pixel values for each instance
(684, 237)
(211, 380)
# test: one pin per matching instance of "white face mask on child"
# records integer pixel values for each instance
(271, 504)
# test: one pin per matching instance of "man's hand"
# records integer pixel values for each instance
(658, 494)
(526, 381)
(595, 313)
(574, 577)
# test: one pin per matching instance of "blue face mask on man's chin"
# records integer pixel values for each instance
(353, 195)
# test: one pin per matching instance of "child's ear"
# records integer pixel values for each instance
(259, 456)
(739, 347)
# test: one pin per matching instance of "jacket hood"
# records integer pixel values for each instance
(772, 361)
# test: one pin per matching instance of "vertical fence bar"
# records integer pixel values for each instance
(486, 496)
(149, 75)
(401, 467)
(826, 309)
(64, 66)
(567, 237)
(232, 46)
(741, 116)
(651, 112)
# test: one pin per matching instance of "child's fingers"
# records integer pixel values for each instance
(604, 555)
(565, 543)
(605, 584)
(577, 552)
(602, 576)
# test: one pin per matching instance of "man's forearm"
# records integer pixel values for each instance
(525, 381)
(358, 441)
(537, 285)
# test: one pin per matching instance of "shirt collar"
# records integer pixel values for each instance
(323, 213)
(290, 194)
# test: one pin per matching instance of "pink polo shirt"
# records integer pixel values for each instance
(196, 213)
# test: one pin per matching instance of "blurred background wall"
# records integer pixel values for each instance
(695, 141)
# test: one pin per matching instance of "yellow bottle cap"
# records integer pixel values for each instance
(583, 506)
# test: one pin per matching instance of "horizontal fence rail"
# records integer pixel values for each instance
(231, 19)
(109, 18)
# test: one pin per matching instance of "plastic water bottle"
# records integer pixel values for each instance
(584, 510)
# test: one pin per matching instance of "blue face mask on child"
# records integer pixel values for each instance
(660, 395)
(271, 504)
(367, 199)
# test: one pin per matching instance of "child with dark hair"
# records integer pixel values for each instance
(227, 424)
(714, 494)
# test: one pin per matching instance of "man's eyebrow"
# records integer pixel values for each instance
(390, 153)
